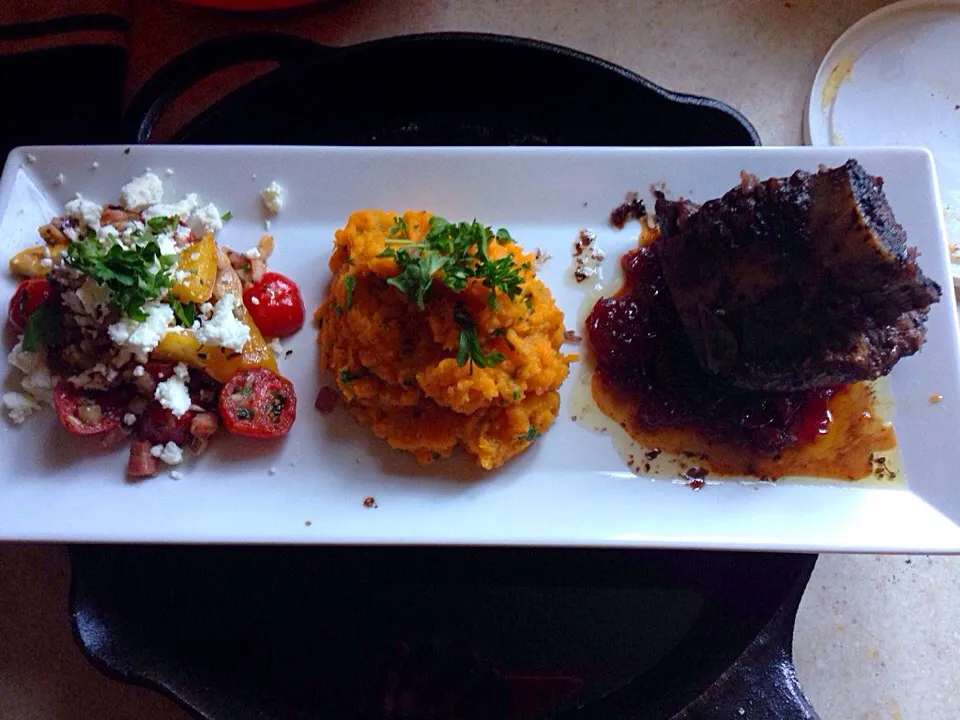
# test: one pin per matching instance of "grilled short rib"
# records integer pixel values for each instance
(796, 283)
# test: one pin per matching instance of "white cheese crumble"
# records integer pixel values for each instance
(142, 192)
(143, 336)
(171, 454)
(168, 246)
(181, 209)
(175, 474)
(94, 298)
(206, 220)
(46, 262)
(38, 382)
(181, 371)
(129, 419)
(223, 329)
(172, 394)
(272, 197)
(206, 309)
(95, 165)
(138, 371)
(168, 172)
(18, 406)
(86, 212)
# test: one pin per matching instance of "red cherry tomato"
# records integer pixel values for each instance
(160, 426)
(275, 305)
(85, 412)
(258, 403)
(29, 295)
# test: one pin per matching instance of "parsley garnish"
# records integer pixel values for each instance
(185, 313)
(457, 249)
(42, 325)
(531, 435)
(399, 228)
(162, 224)
(133, 274)
(226, 216)
(469, 347)
(350, 282)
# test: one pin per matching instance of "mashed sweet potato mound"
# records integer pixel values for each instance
(396, 366)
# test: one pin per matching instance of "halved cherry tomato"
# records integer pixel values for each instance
(275, 305)
(27, 298)
(85, 412)
(258, 403)
(160, 426)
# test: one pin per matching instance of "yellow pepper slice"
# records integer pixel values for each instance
(199, 262)
(219, 363)
(29, 262)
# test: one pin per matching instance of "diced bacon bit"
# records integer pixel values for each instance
(114, 437)
(117, 216)
(141, 463)
(571, 336)
(326, 400)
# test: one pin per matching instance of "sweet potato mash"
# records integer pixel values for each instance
(479, 365)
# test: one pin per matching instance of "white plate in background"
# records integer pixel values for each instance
(571, 487)
(893, 79)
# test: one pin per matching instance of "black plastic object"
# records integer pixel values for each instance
(452, 633)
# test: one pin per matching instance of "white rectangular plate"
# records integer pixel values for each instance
(571, 487)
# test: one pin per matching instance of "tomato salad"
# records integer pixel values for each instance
(135, 324)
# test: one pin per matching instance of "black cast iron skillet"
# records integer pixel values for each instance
(447, 633)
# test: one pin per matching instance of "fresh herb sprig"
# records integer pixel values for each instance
(185, 313)
(452, 253)
(134, 274)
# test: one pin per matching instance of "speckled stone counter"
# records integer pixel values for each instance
(876, 637)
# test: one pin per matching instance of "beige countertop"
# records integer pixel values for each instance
(876, 636)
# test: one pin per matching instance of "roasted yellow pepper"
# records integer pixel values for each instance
(29, 262)
(199, 262)
(219, 363)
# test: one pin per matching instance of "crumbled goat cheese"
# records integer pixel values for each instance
(18, 406)
(168, 172)
(206, 309)
(181, 371)
(223, 328)
(46, 262)
(172, 394)
(129, 419)
(138, 371)
(175, 474)
(168, 246)
(95, 165)
(93, 297)
(143, 336)
(183, 235)
(58, 180)
(107, 235)
(180, 209)
(31, 158)
(205, 220)
(142, 192)
(272, 197)
(156, 450)
(39, 384)
(171, 454)
(84, 211)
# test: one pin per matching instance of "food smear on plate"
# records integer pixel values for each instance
(748, 329)
(137, 326)
(440, 335)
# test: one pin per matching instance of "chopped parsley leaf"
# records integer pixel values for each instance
(350, 281)
(226, 216)
(185, 313)
(469, 348)
(531, 435)
(162, 224)
(133, 274)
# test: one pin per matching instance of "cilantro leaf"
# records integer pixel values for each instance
(350, 281)
(42, 327)
(134, 275)
(469, 348)
(162, 224)
(531, 434)
(185, 313)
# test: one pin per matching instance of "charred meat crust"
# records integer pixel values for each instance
(795, 283)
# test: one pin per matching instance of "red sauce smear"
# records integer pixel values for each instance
(648, 379)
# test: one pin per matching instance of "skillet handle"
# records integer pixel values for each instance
(762, 683)
(179, 74)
